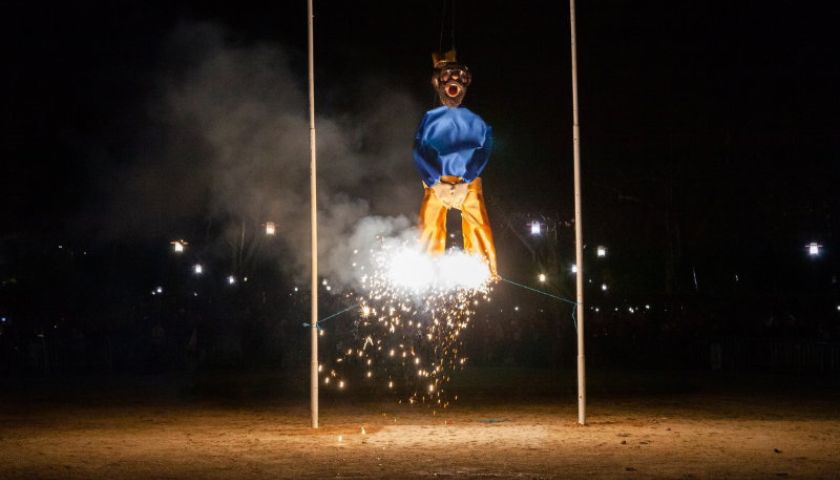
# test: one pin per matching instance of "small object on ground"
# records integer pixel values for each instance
(630, 469)
(776, 450)
(493, 420)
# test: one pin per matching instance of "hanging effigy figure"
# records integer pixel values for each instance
(451, 149)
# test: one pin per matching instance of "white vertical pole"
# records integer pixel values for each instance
(581, 358)
(313, 210)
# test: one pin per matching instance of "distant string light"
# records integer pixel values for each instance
(542, 278)
(601, 251)
(231, 280)
(178, 246)
(270, 228)
(814, 249)
(536, 228)
(198, 269)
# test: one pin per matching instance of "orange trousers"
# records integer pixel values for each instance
(475, 225)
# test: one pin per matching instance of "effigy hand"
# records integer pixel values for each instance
(450, 195)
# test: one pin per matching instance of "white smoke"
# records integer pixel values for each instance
(235, 148)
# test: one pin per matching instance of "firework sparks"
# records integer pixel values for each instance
(412, 310)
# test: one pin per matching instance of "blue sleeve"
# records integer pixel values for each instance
(426, 158)
(480, 156)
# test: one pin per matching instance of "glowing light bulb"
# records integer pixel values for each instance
(542, 278)
(198, 269)
(601, 251)
(270, 228)
(536, 228)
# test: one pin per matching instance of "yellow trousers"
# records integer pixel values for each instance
(475, 225)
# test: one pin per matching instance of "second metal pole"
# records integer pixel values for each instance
(313, 211)
(581, 357)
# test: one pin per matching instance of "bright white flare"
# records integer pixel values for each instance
(410, 269)
(418, 271)
(458, 269)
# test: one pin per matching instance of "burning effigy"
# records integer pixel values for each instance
(451, 150)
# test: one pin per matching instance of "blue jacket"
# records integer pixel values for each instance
(452, 141)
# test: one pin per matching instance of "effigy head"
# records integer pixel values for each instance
(450, 79)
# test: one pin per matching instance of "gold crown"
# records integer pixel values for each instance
(439, 60)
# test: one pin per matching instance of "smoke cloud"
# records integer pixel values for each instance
(232, 146)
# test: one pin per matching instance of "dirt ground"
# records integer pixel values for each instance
(675, 435)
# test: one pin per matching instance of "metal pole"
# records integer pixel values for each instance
(313, 211)
(581, 358)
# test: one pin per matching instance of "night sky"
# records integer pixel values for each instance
(709, 129)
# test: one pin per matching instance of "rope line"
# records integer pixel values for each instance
(517, 284)
(550, 295)
(541, 292)
(443, 18)
(318, 323)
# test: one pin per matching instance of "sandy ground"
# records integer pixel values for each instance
(671, 436)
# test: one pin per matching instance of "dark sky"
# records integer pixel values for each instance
(718, 119)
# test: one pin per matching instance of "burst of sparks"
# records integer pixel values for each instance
(413, 308)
